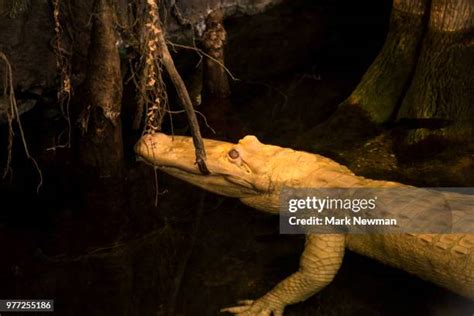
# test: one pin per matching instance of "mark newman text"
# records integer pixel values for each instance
(346, 221)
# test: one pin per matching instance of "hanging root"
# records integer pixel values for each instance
(152, 96)
(64, 69)
(13, 114)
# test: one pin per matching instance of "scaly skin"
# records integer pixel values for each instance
(255, 173)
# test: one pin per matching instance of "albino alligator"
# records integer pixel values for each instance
(255, 173)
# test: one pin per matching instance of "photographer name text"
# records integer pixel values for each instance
(346, 221)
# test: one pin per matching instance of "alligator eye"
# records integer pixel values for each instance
(234, 154)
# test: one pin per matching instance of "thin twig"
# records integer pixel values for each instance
(201, 52)
(198, 112)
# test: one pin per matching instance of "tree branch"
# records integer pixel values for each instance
(185, 100)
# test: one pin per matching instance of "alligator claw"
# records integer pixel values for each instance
(260, 307)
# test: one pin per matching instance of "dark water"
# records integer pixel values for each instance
(101, 247)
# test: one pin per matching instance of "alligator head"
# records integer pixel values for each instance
(249, 170)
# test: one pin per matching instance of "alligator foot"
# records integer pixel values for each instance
(261, 307)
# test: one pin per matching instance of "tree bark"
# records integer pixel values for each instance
(443, 80)
(423, 74)
(100, 123)
(385, 82)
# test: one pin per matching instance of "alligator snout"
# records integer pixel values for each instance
(151, 145)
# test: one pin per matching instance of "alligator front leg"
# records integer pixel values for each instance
(319, 263)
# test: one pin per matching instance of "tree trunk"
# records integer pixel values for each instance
(443, 80)
(216, 105)
(100, 123)
(384, 83)
(214, 38)
(423, 74)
